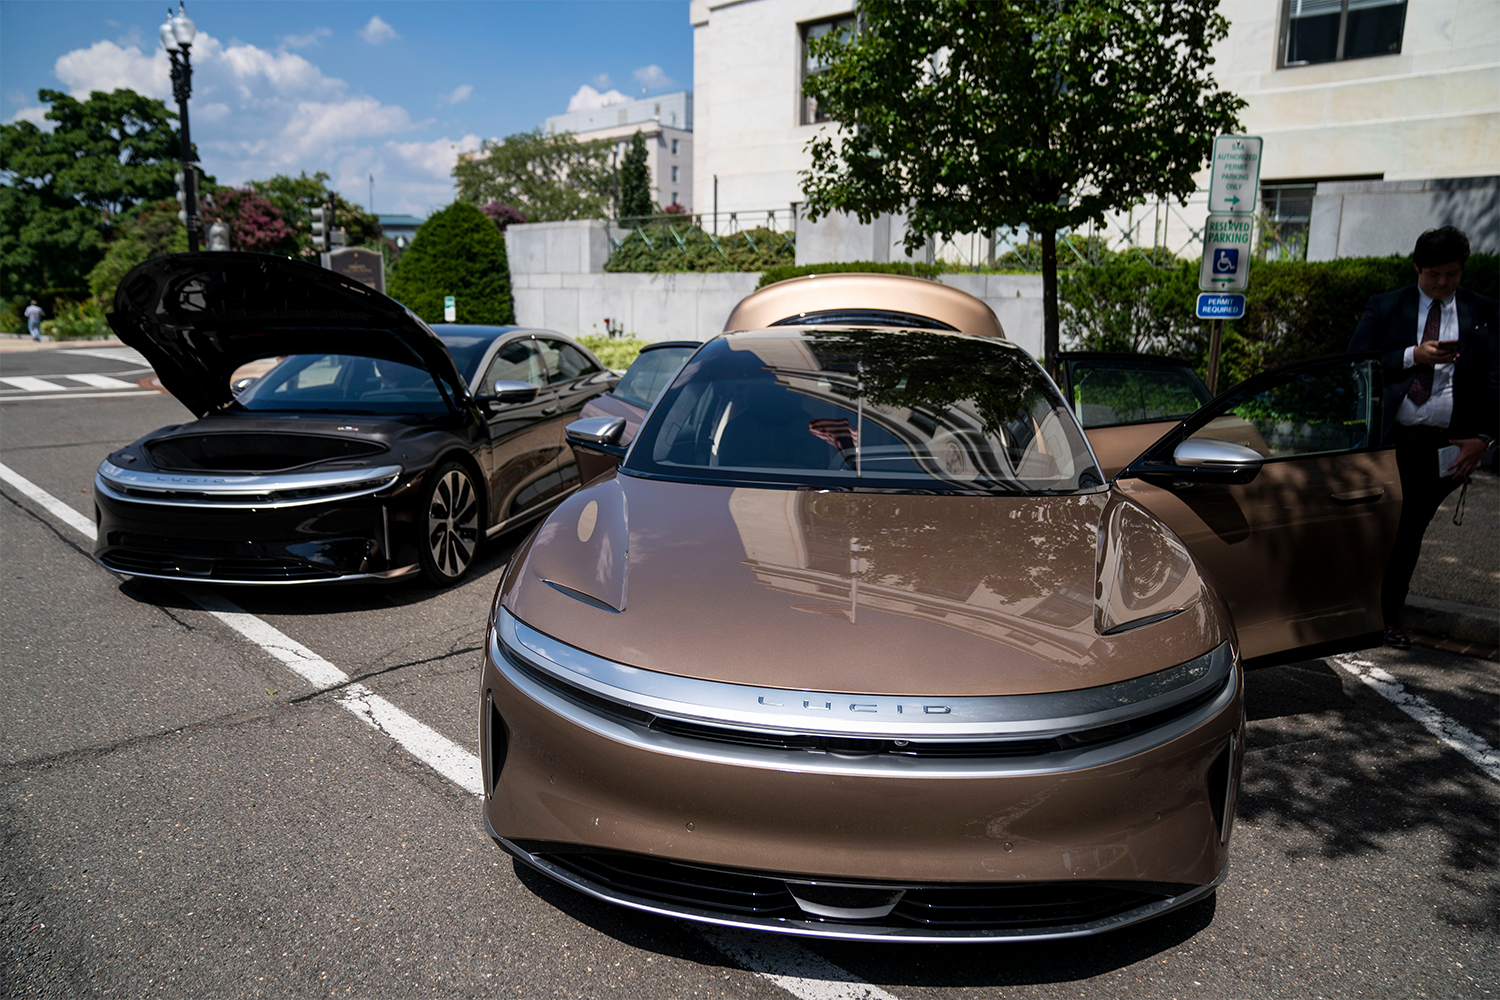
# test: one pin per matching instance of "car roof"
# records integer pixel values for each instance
(785, 301)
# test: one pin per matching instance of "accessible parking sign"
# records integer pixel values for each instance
(1226, 253)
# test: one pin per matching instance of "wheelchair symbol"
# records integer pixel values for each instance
(1226, 261)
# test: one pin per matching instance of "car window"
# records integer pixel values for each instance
(517, 361)
(1109, 393)
(314, 382)
(866, 409)
(650, 373)
(564, 361)
(468, 352)
(1322, 410)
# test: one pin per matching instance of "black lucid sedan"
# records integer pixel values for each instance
(377, 449)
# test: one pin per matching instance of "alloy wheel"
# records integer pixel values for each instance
(453, 523)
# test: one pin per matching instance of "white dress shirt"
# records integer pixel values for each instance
(1438, 410)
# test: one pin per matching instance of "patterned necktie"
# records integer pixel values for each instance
(1421, 386)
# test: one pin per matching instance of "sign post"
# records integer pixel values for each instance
(450, 309)
(1232, 190)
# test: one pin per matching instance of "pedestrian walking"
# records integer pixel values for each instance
(1439, 408)
(34, 320)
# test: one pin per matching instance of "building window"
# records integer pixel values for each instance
(674, 147)
(674, 175)
(1319, 31)
(812, 67)
(674, 197)
(1286, 210)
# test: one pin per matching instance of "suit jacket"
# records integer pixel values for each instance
(1389, 326)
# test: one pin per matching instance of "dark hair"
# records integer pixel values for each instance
(1441, 246)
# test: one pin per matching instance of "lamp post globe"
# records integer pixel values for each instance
(177, 34)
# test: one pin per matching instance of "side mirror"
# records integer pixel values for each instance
(505, 392)
(602, 433)
(1218, 461)
(596, 445)
(239, 385)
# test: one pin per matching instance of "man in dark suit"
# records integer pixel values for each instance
(1438, 358)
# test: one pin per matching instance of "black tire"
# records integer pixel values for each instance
(450, 517)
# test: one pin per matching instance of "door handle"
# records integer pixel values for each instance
(1357, 497)
(547, 411)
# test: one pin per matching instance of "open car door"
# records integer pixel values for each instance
(1282, 491)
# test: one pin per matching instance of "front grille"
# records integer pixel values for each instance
(252, 497)
(266, 570)
(948, 906)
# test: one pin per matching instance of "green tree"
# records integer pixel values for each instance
(971, 115)
(61, 190)
(635, 181)
(294, 198)
(145, 231)
(547, 178)
(459, 252)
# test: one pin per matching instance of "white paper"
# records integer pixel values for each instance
(1447, 455)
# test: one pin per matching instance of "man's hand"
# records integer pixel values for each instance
(1470, 451)
(1435, 352)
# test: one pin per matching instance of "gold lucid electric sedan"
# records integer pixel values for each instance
(858, 642)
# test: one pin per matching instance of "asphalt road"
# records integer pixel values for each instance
(184, 816)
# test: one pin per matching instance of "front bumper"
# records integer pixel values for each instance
(1027, 842)
(257, 530)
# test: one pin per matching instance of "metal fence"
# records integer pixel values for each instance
(759, 229)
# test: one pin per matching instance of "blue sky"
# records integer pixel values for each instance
(394, 89)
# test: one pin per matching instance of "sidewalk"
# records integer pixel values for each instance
(13, 343)
(1455, 592)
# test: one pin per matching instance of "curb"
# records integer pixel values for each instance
(1454, 620)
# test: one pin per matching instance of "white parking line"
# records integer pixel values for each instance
(792, 967)
(67, 515)
(1459, 737)
(779, 960)
(64, 394)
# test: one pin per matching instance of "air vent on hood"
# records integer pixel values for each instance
(253, 453)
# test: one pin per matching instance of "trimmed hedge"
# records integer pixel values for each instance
(459, 252)
(1293, 309)
(615, 352)
(916, 270)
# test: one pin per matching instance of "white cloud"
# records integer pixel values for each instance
(303, 41)
(602, 81)
(435, 158)
(460, 93)
(587, 99)
(652, 77)
(33, 115)
(378, 31)
(108, 65)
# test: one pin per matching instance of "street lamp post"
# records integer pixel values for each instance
(177, 34)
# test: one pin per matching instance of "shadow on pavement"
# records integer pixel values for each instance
(1331, 759)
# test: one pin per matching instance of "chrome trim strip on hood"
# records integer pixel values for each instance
(852, 931)
(639, 734)
(267, 492)
(1021, 716)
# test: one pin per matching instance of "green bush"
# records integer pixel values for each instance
(615, 352)
(459, 252)
(681, 246)
(916, 270)
(1293, 309)
(79, 321)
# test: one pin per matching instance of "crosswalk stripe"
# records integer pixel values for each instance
(30, 383)
(129, 355)
(101, 381)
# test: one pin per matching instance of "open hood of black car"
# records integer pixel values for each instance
(199, 316)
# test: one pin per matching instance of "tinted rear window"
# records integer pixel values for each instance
(869, 409)
(649, 374)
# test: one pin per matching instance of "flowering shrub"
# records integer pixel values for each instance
(501, 215)
(254, 223)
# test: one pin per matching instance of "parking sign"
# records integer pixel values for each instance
(1226, 253)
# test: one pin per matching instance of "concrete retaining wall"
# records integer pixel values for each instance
(558, 280)
(1376, 218)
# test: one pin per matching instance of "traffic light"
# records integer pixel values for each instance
(322, 219)
(218, 236)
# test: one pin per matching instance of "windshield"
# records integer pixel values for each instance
(865, 409)
(343, 383)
